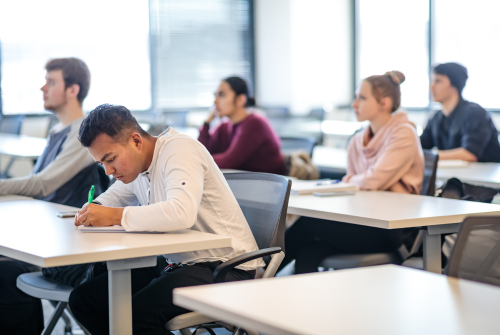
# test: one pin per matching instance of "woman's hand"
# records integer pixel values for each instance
(213, 114)
(96, 215)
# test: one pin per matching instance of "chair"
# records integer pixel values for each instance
(263, 198)
(11, 124)
(399, 256)
(476, 254)
(291, 144)
(37, 285)
(73, 193)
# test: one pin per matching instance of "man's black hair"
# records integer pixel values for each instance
(113, 120)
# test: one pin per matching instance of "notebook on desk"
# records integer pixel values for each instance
(112, 229)
(452, 163)
(301, 187)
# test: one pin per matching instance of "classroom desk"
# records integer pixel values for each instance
(20, 146)
(388, 299)
(389, 210)
(485, 174)
(31, 232)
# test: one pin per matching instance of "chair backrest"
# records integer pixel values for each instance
(11, 124)
(75, 191)
(476, 254)
(263, 198)
(431, 163)
(290, 144)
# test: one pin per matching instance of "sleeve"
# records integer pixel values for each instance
(245, 143)
(72, 159)
(118, 195)
(426, 139)
(183, 169)
(476, 132)
(351, 154)
(395, 161)
(209, 139)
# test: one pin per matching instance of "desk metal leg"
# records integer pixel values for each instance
(120, 292)
(432, 252)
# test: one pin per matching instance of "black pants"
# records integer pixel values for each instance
(309, 241)
(20, 314)
(152, 304)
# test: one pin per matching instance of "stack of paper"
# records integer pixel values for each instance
(452, 163)
(310, 186)
(107, 229)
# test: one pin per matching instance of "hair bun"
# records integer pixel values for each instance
(397, 77)
(250, 102)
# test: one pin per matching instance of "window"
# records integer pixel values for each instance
(468, 32)
(111, 36)
(392, 35)
(196, 43)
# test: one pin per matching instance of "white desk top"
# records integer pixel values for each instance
(486, 174)
(31, 232)
(388, 209)
(376, 300)
(21, 145)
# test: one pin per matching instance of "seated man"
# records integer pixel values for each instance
(462, 129)
(67, 85)
(165, 183)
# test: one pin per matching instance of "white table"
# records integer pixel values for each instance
(20, 146)
(388, 300)
(389, 210)
(485, 174)
(31, 232)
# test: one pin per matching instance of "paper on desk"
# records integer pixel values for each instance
(112, 229)
(302, 187)
(452, 163)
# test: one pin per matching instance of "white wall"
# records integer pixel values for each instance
(303, 53)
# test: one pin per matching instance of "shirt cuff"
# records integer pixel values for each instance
(124, 222)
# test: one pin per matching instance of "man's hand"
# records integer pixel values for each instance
(96, 215)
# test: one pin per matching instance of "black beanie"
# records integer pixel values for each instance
(455, 72)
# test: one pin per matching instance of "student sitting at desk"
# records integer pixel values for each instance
(165, 183)
(385, 156)
(67, 83)
(462, 129)
(245, 142)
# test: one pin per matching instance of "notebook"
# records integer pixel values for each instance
(452, 163)
(112, 229)
(301, 187)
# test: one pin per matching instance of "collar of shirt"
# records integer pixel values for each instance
(149, 171)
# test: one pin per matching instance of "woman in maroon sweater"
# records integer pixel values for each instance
(246, 140)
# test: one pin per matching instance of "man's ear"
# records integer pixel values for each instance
(72, 91)
(136, 139)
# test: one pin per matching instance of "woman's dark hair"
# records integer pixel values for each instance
(239, 86)
(113, 120)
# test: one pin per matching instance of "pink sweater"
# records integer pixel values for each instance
(392, 160)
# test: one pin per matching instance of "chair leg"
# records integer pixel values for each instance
(85, 331)
(55, 317)
(68, 327)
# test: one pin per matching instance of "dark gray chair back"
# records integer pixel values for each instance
(263, 198)
(476, 254)
(431, 163)
(11, 124)
(291, 144)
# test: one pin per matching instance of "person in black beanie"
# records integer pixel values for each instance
(462, 129)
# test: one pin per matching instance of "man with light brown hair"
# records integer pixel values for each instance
(59, 175)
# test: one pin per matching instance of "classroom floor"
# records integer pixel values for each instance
(59, 329)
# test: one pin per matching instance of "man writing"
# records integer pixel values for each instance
(165, 183)
(462, 129)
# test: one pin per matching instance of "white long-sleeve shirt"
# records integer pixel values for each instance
(184, 189)
(72, 159)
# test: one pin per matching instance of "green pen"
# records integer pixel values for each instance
(91, 194)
